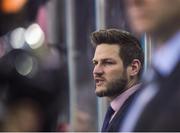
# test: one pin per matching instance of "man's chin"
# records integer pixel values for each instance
(100, 93)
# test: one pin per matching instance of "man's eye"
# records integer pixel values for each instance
(94, 63)
(109, 62)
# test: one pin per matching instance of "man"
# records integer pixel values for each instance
(157, 105)
(118, 63)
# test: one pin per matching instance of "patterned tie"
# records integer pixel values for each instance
(109, 113)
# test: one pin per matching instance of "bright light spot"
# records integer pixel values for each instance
(24, 65)
(17, 38)
(34, 36)
(12, 6)
(34, 68)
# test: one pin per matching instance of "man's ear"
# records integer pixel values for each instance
(134, 68)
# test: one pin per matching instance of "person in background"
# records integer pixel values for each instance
(118, 64)
(30, 79)
(156, 106)
(27, 103)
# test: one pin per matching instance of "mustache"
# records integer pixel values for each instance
(97, 77)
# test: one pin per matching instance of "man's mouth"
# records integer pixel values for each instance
(99, 82)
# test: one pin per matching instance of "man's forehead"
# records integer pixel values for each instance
(104, 52)
(107, 49)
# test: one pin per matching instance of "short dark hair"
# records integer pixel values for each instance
(130, 47)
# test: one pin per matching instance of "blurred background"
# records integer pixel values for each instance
(45, 63)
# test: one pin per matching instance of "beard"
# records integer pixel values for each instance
(114, 88)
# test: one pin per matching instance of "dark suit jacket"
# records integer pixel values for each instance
(162, 113)
(114, 124)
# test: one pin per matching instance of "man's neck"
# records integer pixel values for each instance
(129, 85)
(132, 83)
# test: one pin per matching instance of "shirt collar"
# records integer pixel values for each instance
(119, 100)
(165, 58)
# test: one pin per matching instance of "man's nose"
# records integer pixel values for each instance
(98, 70)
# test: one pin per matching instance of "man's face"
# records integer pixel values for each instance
(109, 74)
(153, 16)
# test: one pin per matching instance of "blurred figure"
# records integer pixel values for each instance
(30, 87)
(118, 63)
(156, 106)
(83, 121)
(23, 116)
(27, 102)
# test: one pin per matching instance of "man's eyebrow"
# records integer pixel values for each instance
(104, 59)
